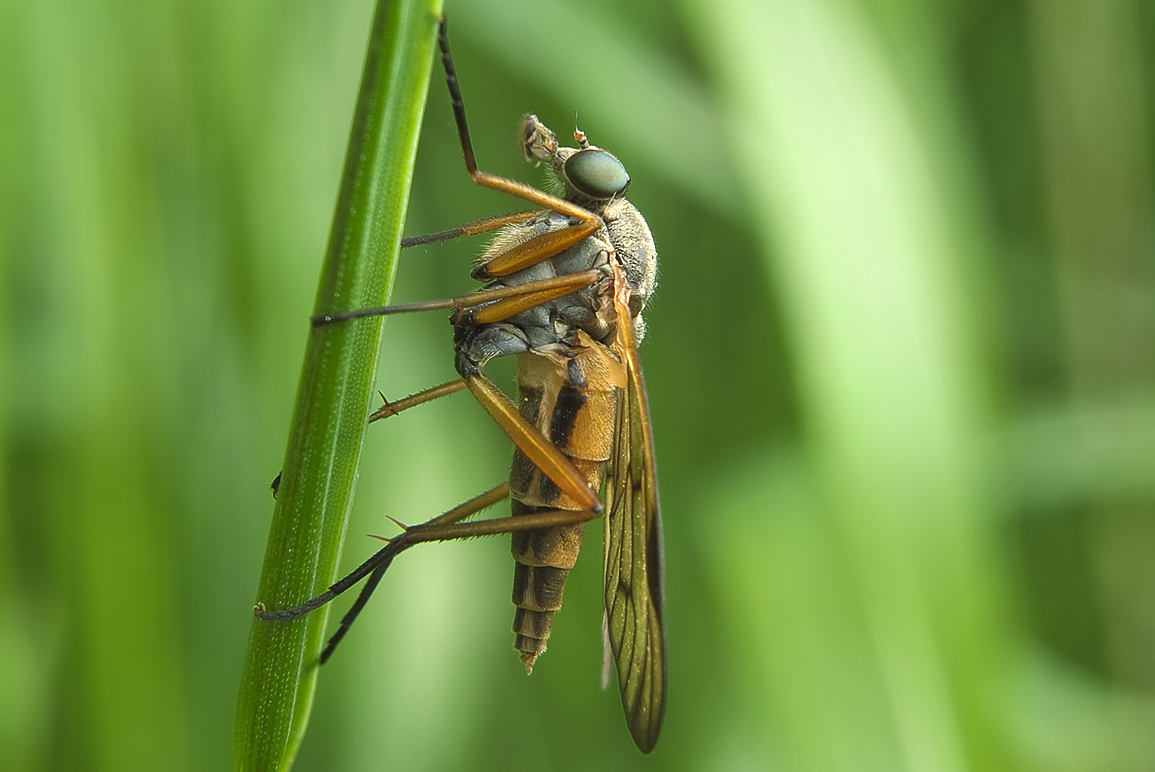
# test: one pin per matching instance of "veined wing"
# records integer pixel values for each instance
(633, 542)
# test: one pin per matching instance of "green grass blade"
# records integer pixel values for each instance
(334, 393)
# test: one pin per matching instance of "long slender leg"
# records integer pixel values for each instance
(413, 400)
(445, 527)
(512, 306)
(537, 249)
(550, 518)
(521, 256)
(543, 453)
(544, 290)
(393, 408)
(384, 556)
(471, 228)
(537, 448)
(355, 610)
(435, 532)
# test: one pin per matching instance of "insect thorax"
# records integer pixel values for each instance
(625, 238)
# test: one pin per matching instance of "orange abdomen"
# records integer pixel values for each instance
(571, 397)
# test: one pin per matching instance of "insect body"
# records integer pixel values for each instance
(565, 289)
(569, 374)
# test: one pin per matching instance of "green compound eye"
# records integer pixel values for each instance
(596, 173)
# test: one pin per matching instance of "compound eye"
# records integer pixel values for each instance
(596, 173)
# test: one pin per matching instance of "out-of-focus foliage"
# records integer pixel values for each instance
(901, 363)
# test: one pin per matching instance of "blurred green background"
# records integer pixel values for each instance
(901, 365)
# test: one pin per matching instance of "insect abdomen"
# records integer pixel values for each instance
(572, 402)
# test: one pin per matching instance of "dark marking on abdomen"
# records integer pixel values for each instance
(574, 374)
(548, 489)
(529, 402)
(565, 414)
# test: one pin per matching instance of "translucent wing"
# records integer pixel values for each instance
(633, 542)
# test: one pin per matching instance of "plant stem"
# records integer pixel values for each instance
(335, 391)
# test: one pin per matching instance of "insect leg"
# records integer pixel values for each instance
(358, 605)
(537, 249)
(445, 527)
(543, 453)
(440, 530)
(529, 296)
(546, 519)
(384, 555)
(384, 558)
(413, 400)
(470, 228)
(504, 309)
(548, 289)
(393, 408)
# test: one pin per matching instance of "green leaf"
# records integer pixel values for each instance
(335, 391)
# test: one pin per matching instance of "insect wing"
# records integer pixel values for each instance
(633, 544)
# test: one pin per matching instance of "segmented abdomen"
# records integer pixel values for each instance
(570, 396)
